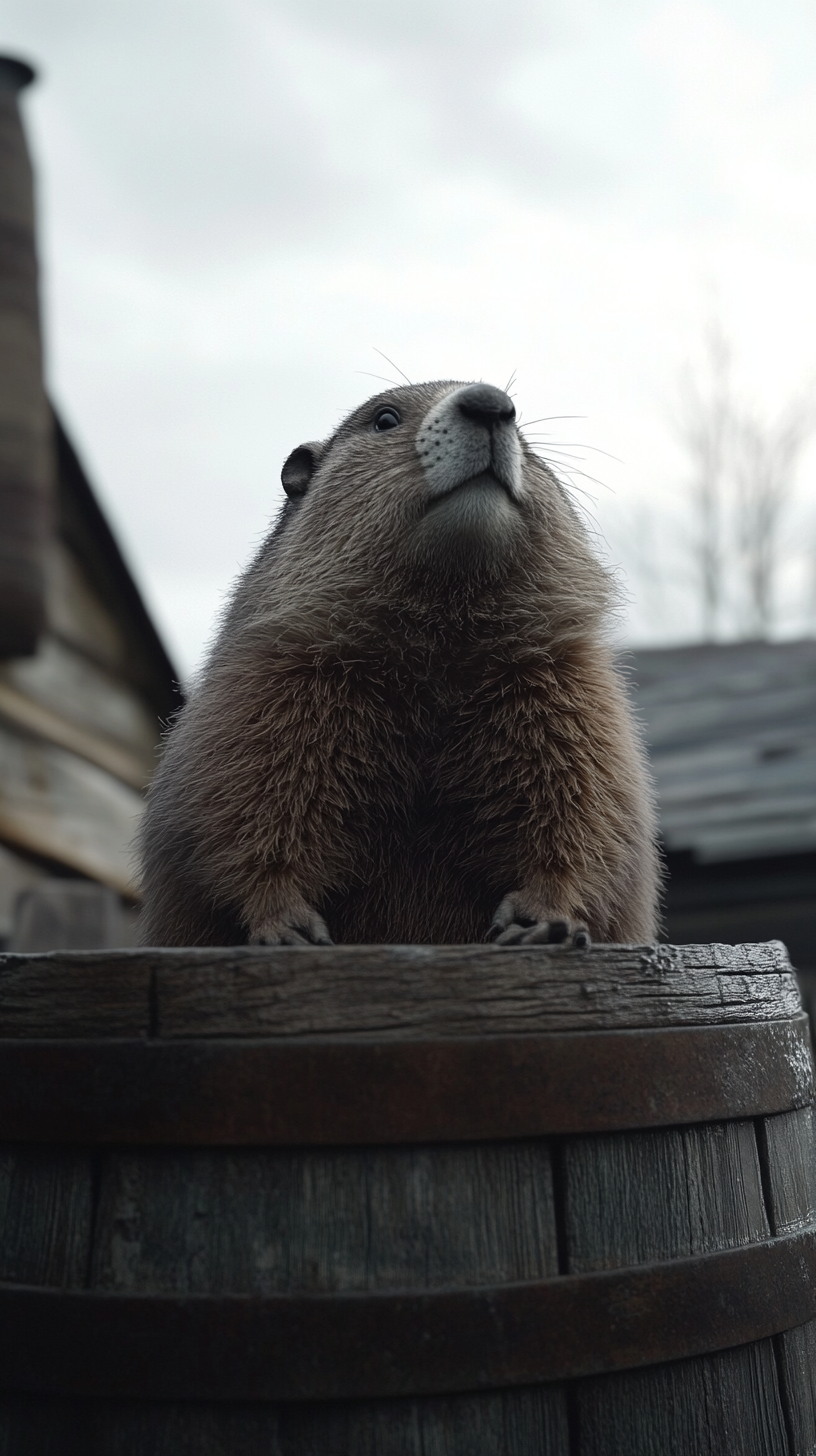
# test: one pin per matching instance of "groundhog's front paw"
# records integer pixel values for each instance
(300, 926)
(515, 923)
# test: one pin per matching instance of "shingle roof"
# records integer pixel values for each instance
(731, 731)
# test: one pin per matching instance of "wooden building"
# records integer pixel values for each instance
(84, 679)
(731, 731)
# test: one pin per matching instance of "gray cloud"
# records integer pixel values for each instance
(214, 131)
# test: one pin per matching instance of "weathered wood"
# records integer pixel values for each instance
(407, 992)
(504, 1423)
(796, 1356)
(78, 615)
(452, 991)
(26, 466)
(422, 1218)
(786, 1147)
(514, 1423)
(643, 1197)
(74, 995)
(60, 806)
(46, 1207)
(721, 1405)
(70, 915)
(69, 684)
(380, 1218)
(651, 1196)
(17, 873)
(32, 717)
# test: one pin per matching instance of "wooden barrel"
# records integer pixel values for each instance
(383, 1201)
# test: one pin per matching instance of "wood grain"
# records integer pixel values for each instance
(787, 1149)
(717, 1405)
(385, 1218)
(643, 1197)
(54, 804)
(16, 875)
(796, 1356)
(409, 991)
(77, 614)
(186, 1222)
(45, 1216)
(74, 994)
(404, 992)
(106, 704)
(502, 1423)
(70, 914)
(22, 712)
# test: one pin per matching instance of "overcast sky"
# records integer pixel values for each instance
(240, 200)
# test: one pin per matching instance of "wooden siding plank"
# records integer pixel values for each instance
(57, 805)
(16, 875)
(77, 614)
(22, 712)
(69, 683)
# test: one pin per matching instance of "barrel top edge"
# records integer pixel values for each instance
(769, 957)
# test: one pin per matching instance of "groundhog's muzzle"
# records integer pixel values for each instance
(470, 433)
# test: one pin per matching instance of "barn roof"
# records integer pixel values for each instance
(731, 731)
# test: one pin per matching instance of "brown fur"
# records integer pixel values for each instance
(402, 723)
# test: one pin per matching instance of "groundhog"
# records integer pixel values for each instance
(410, 728)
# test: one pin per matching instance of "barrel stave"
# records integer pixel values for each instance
(796, 1355)
(46, 1215)
(786, 1144)
(247, 1221)
(727, 1404)
(644, 1197)
(527, 1422)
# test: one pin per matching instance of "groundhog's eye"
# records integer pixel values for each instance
(385, 419)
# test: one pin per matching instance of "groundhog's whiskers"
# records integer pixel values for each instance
(393, 365)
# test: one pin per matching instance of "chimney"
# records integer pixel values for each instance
(26, 460)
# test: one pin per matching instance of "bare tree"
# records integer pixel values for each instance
(741, 482)
(765, 460)
(704, 427)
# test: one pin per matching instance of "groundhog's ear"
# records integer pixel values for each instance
(300, 467)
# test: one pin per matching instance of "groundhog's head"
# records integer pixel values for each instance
(434, 472)
(425, 493)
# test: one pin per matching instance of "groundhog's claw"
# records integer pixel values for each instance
(303, 927)
(512, 926)
(568, 933)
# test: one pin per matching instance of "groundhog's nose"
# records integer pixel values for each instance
(486, 404)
